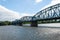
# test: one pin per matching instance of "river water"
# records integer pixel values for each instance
(29, 33)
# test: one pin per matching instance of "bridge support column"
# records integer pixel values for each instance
(34, 24)
(20, 24)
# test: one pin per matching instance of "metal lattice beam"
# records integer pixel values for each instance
(47, 13)
(26, 18)
(50, 12)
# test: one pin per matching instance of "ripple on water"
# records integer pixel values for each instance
(28, 33)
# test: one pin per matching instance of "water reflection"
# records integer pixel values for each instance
(28, 33)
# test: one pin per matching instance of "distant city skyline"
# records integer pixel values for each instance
(15, 9)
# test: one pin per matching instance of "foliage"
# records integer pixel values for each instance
(5, 23)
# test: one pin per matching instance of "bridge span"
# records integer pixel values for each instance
(47, 15)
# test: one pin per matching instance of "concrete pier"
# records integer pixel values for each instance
(21, 24)
(34, 24)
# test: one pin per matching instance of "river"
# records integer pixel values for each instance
(29, 33)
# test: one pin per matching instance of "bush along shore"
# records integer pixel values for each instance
(2, 23)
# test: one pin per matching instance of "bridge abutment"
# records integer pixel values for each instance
(34, 24)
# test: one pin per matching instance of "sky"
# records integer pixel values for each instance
(15, 9)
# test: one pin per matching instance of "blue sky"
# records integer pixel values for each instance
(19, 8)
(24, 6)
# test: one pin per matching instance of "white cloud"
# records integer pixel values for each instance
(53, 2)
(27, 14)
(37, 1)
(6, 14)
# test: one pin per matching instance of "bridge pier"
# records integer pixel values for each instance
(34, 24)
(20, 24)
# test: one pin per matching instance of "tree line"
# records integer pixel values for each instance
(5, 23)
